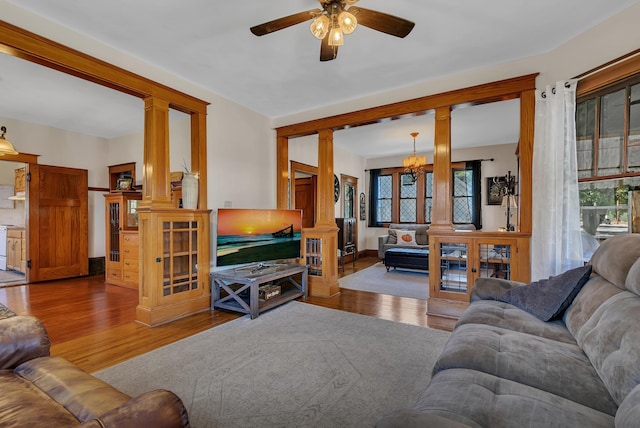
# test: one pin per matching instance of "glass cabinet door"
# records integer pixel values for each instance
(495, 260)
(114, 231)
(454, 267)
(132, 213)
(180, 260)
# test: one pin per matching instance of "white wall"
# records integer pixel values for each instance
(58, 147)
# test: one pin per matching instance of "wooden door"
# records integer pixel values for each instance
(57, 217)
(305, 200)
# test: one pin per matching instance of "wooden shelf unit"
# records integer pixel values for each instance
(457, 259)
(177, 246)
(121, 239)
(319, 246)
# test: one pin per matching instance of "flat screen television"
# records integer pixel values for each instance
(257, 235)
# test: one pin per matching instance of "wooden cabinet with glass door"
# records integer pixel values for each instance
(457, 260)
(121, 238)
(178, 283)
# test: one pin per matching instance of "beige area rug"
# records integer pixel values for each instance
(9, 278)
(397, 282)
(297, 365)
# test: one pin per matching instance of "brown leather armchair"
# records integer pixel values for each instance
(40, 390)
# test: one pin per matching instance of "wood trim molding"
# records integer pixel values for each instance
(21, 157)
(489, 92)
(24, 44)
(609, 73)
(303, 167)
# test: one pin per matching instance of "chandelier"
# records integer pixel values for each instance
(335, 21)
(6, 148)
(414, 165)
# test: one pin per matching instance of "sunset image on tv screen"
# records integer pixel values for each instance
(246, 235)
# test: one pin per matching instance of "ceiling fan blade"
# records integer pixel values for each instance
(383, 22)
(327, 52)
(284, 22)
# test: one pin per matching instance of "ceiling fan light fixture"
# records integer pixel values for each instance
(320, 26)
(336, 37)
(6, 148)
(347, 21)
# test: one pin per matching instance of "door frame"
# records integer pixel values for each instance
(300, 167)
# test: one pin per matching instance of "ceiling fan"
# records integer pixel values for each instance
(334, 20)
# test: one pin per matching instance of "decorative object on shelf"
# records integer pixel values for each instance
(190, 191)
(124, 184)
(363, 207)
(509, 199)
(414, 165)
(336, 188)
(6, 148)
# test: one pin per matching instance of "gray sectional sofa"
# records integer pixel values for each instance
(390, 240)
(503, 367)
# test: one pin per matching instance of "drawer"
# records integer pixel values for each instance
(113, 274)
(130, 239)
(15, 233)
(130, 246)
(131, 265)
(130, 277)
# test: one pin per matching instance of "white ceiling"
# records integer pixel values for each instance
(208, 43)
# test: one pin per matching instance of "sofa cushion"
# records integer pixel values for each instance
(393, 237)
(611, 340)
(504, 315)
(406, 237)
(422, 236)
(556, 367)
(628, 413)
(595, 292)
(548, 298)
(480, 399)
(24, 405)
(614, 258)
(633, 278)
(85, 396)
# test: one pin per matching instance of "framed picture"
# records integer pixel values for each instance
(124, 184)
(363, 208)
(496, 189)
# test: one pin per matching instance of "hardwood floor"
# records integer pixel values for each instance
(92, 324)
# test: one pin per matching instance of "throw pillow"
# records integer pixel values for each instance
(393, 238)
(547, 299)
(407, 237)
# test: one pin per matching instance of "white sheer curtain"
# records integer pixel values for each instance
(556, 244)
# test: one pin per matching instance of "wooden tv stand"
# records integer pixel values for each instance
(237, 289)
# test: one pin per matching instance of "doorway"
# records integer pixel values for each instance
(304, 191)
(12, 224)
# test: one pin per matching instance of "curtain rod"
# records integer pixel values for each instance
(607, 64)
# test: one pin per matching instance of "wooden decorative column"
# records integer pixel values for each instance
(320, 243)
(174, 243)
(282, 166)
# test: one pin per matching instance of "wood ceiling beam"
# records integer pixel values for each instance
(489, 92)
(26, 45)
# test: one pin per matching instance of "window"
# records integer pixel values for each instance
(384, 198)
(408, 199)
(608, 149)
(398, 199)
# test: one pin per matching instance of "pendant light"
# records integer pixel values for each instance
(6, 148)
